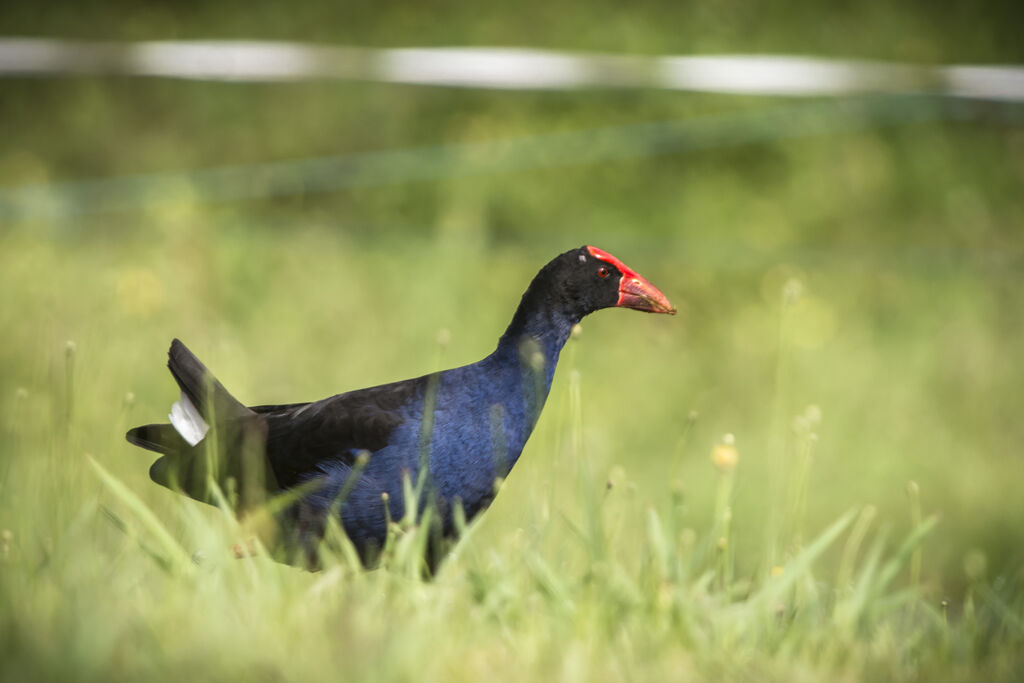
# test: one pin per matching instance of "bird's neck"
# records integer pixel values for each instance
(534, 339)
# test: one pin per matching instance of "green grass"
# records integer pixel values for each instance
(616, 549)
(849, 311)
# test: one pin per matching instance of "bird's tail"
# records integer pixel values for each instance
(189, 463)
(161, 438)
(201, 392)
(202, 398)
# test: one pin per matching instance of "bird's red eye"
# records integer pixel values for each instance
(602, 272)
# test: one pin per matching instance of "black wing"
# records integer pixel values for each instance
(301, 437)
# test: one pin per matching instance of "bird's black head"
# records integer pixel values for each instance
(587, 279)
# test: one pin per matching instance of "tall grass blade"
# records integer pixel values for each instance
(172, 550)
(892, 567)
(778, 586)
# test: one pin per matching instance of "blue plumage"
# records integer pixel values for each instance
(461, 429)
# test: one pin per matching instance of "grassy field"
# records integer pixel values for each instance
(850, 288)
(869, 529)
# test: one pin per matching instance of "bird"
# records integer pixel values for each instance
(454, 432)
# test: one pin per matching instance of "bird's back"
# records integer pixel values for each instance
(303, 438)
(469, 424)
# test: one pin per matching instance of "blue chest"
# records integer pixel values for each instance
(469, 423)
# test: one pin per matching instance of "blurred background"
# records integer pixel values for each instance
(847, 259)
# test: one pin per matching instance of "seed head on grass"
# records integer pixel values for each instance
(616, 477)
(803, 425)
(792, 290)
(724, 455)
(69, 378)
(914, 494)
(537, 361)
(385, 500)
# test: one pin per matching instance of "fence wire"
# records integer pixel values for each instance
(860, 95)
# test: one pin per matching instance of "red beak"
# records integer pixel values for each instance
(635, 291)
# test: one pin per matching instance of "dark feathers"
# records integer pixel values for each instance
(201, 387)
(455, 432)
(161, 438)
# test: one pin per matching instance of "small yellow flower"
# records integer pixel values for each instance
(776, 571)
(724, 455)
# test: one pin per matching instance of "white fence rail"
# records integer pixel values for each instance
(505, 68)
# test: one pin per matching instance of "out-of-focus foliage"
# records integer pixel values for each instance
(850, 308)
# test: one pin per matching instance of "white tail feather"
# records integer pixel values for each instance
(187, 421)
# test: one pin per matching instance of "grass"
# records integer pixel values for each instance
(849, 291)
(626, 545)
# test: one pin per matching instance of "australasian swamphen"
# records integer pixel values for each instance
(464, 427)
